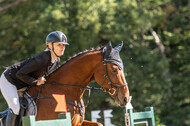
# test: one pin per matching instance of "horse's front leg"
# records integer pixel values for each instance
(89, 123)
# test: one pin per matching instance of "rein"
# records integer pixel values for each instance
(89, 88)
(94, 88)
(114, 93)
(74, 86)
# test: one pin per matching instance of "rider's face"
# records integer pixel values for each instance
(58, 48)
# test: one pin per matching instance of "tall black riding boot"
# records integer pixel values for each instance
(10, 119)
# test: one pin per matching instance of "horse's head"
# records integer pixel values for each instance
(110, 75)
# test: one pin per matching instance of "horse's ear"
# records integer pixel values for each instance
(108, 48)
(119, 46)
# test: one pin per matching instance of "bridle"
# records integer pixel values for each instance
(112, 91)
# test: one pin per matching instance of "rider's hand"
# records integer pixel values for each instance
(41, 80)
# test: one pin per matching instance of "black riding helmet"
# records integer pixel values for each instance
(57, 36)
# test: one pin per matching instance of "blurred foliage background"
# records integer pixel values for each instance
(156, 52)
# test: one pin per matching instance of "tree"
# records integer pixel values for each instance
(151, 73)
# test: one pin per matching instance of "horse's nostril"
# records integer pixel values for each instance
(125, 100)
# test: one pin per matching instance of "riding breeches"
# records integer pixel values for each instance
(9, 92)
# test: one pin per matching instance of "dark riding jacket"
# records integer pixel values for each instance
(27, 72)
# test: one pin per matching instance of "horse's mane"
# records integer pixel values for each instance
(76, 55)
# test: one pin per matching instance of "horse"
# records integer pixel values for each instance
(103, 65)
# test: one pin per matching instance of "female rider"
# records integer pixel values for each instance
(30, 72)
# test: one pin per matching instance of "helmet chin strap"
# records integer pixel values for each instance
(54, 51)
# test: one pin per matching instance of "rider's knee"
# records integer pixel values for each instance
(16, 109)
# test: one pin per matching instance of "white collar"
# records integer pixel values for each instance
(52, 59)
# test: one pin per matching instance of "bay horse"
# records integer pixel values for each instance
(73, 77)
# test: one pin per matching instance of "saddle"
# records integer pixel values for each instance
(24, 106)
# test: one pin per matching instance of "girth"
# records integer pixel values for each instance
(81, 106)
(67, 101)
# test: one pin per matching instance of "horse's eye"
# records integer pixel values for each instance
(114, 70)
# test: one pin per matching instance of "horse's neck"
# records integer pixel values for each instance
(79, 70)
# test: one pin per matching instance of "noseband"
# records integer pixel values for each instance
(110, 82)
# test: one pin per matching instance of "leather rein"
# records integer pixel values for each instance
(112, 91)
(110, 83)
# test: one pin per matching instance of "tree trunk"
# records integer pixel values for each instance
(166, 70)
(10, 5)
